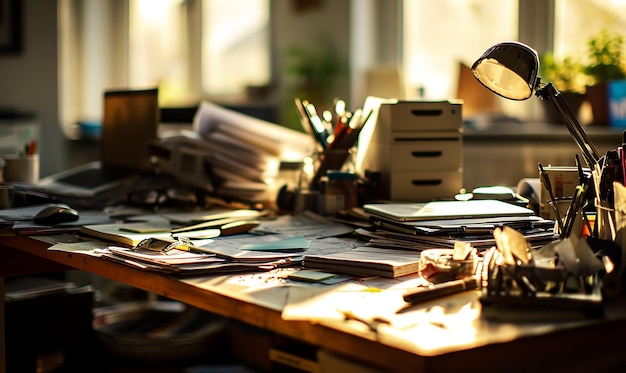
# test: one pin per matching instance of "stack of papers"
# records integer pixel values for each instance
(182, 263)
(440, 224)
(273, 242)
(234, 155)
(367, 261)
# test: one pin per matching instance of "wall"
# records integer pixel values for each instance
(313, 24)
(29, 80)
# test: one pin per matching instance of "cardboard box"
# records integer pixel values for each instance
(564, 180)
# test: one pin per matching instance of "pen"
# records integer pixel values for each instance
(423, 294)
(577, 204)
(304, 119)
(546, 182)
(32, 147)
(316, 124)
(607, 176)
(190, 249)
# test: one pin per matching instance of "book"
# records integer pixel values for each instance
(367, 261)
(129, 234)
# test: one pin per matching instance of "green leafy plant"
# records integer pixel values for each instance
(315, 70)
(566, 74)
(606, 59)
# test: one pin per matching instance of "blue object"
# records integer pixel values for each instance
(617, 103)
(90, 130)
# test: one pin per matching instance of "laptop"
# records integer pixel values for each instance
(129, 125)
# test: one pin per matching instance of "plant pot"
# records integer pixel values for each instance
(574, 101)
(598, 98)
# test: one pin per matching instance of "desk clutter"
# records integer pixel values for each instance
(386, 150)
(373, 196)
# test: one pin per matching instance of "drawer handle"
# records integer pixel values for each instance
(426, 182)
(429, 113)
(430, 154)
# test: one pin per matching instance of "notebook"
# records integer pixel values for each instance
(446, 210)
(129, 125)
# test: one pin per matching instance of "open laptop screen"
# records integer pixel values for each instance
(129, 124)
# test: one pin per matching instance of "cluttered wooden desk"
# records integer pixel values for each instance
(484, 284)
(364, 324)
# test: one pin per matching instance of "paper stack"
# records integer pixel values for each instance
(232, 154)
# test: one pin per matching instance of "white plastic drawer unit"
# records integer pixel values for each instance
(426, 154)
(417, 146)
(424, 186)
(422, 116)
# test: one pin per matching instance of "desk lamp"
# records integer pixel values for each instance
(509, 69)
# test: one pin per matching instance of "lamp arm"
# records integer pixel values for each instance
(588, 149)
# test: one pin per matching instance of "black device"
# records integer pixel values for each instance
(55, 214)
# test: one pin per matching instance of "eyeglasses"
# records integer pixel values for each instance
(163, 246)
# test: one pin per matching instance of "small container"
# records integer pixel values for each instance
(343, 183)
(21, 168)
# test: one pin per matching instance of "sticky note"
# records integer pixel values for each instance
(310, 275)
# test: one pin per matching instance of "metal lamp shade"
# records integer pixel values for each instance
(509, 69)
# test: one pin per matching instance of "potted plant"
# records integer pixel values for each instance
(568, 76)
(314, 72)
(606, 63)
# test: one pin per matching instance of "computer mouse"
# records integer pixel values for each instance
(55, 214)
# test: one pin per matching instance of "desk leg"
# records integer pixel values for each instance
(3, 346)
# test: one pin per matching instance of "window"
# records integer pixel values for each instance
(576, 21)
(191, 49)
(235, 45)
(438, 35)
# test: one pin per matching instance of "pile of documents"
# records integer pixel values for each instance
(210, 242)
(393, 235)
(232, 154)
(439, 224)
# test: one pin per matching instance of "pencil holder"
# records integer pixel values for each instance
(562, 205)
(6, 196)
(332, 160)
(21, 168)
(605, 225)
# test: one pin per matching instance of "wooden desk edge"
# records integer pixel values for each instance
(356, 347)
(361, 348)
